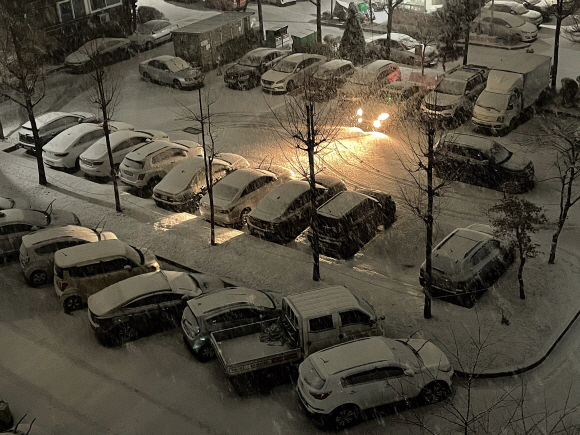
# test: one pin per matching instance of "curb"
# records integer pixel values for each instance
(501, 47)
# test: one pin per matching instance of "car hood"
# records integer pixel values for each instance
(440, 99)
(528, 28)
(431, 355)
(275, 76)
(188, 72)
(450, 268)
(63, 217)
(516, 163)
(532, 15)
(218, 203)
(77, 58)
(238, 69)
(264, 215)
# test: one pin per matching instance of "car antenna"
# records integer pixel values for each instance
(411, 336)
(260, 165)
(49, 207)
(270, 165)
(30, 427)
(99, 232)
(19, 421)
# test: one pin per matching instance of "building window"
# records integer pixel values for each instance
(97, 5)
(70, 10)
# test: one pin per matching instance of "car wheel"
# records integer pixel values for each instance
(205, 353)
(149, 45)
(77, 164)
(72, 303)
(435, 392)
(148, 190)
(177, 84)
(244, 217)
(244, 86)
(124, 333)
(38, 278)
(290, 86)
(345, 416)
(146, 77)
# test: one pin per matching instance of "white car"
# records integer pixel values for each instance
(9, 203)
(185, 184)
(290, 72)
(504, 25)
(173, 71)
(402, 49)
(152, 33)
(340, 383)
(146, 165)
(94, 162)
(514, 8)
(64, 150)
(49, 125)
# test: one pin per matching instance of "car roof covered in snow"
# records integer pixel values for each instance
(322, 301)
(229, 297)
(334, 64)
(66, 138)
(341, 203)
(460, 243)
(179, 178)
(46, 118)
(377, 65)
(468, 140)
(89, 252)
(48, 234)
(512, 20)
(149, 148)
(99, 148)
(16, 215)
(243, 177)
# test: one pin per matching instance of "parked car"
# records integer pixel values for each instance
(152, 33)
(402, 49)
(291, 72)
(9, 203)
(221, 310)
(145, 303)
(340, 383)
(329, 77)
(544, 7)
(482, 161)
(467, 262)
(235, 195)
(182, 188)
(173, 71)
(505, 26)
(286, 211)
(403, 99)
(63, 152)
(101, 51)
(37, 249)
(83, 270)
(49, 125)
(247, 72)
(349, 220)
(15, 223)
(514, 8)
(369, 79)
(94, 162)
(145, 166)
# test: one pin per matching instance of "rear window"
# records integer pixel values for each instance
(311, 376)
(134, 164)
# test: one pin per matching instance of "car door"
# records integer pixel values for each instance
(322, 333)
(126, 147)
(253, 192)
(164, 73)
(117, 270)
(141, 313)
(218, 322)
(15, 236)
(86, 141)
(399, 386)
(366, 387)
(353, 324)
(501, 28)
(154, 69)
(170, 308)
(162, 32)
(487, 264)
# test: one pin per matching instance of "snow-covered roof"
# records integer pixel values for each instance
(521, 63)
(512, 20)
(342, 203)
(68, 231)
(458, 244)
(46, 118)
(242, 177)
(67, 138)
(334, 64)
(228, 297)
(323, 301)
(89, 252)
(377, 65)
(99, 148)
(181, 176)
(502, 82)
(469, 140)
(16, 215)
(148, 148)
(235, 160)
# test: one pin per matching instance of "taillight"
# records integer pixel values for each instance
(97, 163)
(63, 286)
(61, 154)
(140, 177)
(320, 396)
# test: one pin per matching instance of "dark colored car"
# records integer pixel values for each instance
(329, 77)
(145, 303)
(221, 310)
(101, 50)
(350, 220)
(403, 99)
(286, 211)
(482, 161)
(247, 72)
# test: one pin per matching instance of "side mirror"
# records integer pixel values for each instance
(510, 107)
(127, 267)
(409, 372)
(382, 317)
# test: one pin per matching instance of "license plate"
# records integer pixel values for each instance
(163, 197)
(130, 174)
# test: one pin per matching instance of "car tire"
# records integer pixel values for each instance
(244, 217)
(147, 77)
(177, 85)
(148, 190)
(205, 353)
(290, 86)
(149, 46)
(434, 392)
(77, 166)
(72, 303)
(345, 416)
(38, 278)
(124, 333)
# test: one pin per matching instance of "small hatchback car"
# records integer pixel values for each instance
(220, 310)
(340, 383)
(37, 249)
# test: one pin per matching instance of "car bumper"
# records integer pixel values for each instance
(58, 164)
(274, 88)
(93, 171)
(220, 218)
(27, 146)
(181, 205)
(139, 184)
(312, 411)
(441, 114)
(494, 125)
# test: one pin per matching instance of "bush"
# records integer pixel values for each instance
(315, 48)
(148, 13)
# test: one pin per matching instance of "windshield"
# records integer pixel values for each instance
(250, 60)
(493, 101)
(225, 191)
(519, 9)
(499, 153)
(409, 43)
(139, 253)
(451, 87)
(285, 66)
(144, 29)
(177, 64)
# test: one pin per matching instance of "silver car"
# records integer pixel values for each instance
(505, 26)
(100, 50)
(171, 70)
(152, 33)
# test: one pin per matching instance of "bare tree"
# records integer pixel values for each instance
(428, 30)
(561, 9)
(390, 8)
(105, 95)
(24, 49)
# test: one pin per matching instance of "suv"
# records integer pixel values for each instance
(340, 383)
(83, 270)
(482, 161)
(145, 166)
(349, 220)
(467, 262)
(220, 310)
(455, 95)
(37, 249)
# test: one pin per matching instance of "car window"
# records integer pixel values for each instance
(70, 243)
(114, 265)
(86, 270)
(168, 297)
(364, 377)
(111, 44)
(164, 155)
(486, 20)
(126, 144)
(51, 248)
(299, 202)
(483, 252)
(353, 317)
(141, 302)
(221, 318)
(389, 372)
(499, 22)
(22, 228)
(323, 323)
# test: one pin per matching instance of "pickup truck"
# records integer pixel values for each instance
(309, 322)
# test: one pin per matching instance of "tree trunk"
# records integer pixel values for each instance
(429, 226)
(312, 180)
(318, 22)
(564, 208)
(556, 47)
(207, 171)
(467, 31)
(37, 144)
(521, 275)
(389, 27)
(261, 21)
(2, 137)
(209, 181)
(110, 154)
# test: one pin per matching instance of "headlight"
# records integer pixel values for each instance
(377, 124)
(383, 116)
(500, 118)
(280, 81)
(359, 112)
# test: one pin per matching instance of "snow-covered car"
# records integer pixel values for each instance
(94, 162)
(173, 71)
(402, 49)
(235, 195)
(369, 79)
(349, 220)
(152, 33)
(246, 73)
(340, 383)
(514, 8)
(146, 165)
(291, 72)
(49, 125)
(100, 51)
(83, 270)
(64, 150)
(544, 7)
(145, 303)
(482, 161)
(15, 223)
(37, 249)
(7, 203)
(285, 212)
(182, 188)
(467, 262)
(221, 310)
(329, 77)
(505, 26)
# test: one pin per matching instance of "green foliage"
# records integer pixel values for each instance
(352, 44)
(315, 47)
